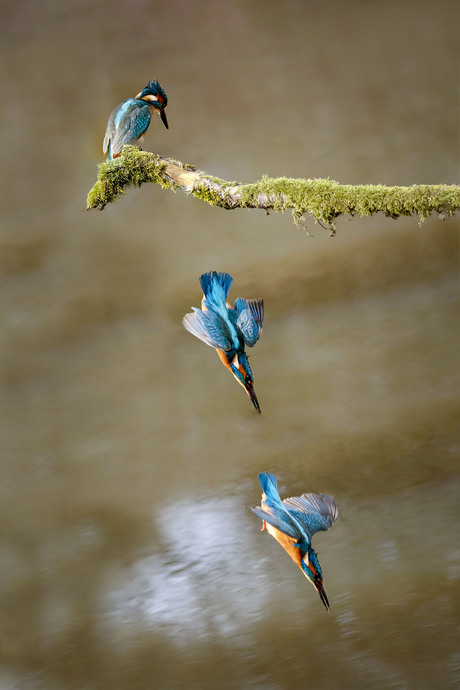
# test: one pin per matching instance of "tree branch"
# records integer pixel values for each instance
(325, 199)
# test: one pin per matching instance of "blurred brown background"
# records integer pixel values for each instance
(129, 455)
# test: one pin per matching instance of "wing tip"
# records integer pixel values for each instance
(324, 504)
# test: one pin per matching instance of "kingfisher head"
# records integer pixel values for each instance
(242, 372)
(312, 571)
(155, 96)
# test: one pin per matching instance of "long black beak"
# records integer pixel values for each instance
(252, 394)
(163, 117)
(322, 595)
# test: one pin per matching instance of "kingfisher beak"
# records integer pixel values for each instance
(252, 394)
(322, 594)
(163, 118)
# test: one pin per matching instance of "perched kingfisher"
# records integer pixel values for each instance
(293, 522)
(130, 120)
(228, 330)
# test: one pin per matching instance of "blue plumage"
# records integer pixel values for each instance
(250, 315)
(211, 328)
(293, 522)
(225, 329)
(216, 287)
(129, 121)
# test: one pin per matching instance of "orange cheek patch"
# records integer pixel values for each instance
(312, 570)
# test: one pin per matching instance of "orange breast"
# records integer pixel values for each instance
(223, 358)
(287, 543)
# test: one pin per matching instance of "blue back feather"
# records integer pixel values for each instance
(127, 123)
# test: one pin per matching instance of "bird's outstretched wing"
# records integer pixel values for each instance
(127, 123)
(314, 512)
(272, 509)
(276, 520)
(250, 318)
(208, 327)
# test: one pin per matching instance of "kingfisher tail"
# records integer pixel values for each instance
(216, 287)
(269, 486)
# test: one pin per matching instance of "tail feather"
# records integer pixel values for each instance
(270, 488)
(216, 286)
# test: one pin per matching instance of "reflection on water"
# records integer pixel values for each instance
(188, 590)
(128, 558)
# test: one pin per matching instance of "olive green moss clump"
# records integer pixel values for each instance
(133, 167)
(324, 199)
(327, 199)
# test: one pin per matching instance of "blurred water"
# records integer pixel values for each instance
(129, 558)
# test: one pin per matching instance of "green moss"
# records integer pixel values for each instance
(323, 198)
(133, 167)
(327, 199)
(215, 191)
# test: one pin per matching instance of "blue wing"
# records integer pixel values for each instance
(273, 511)
(127, 122)
(314, 512)
(250, 318)
(277, 521)
(208, 327)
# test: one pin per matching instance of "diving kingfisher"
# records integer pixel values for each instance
(131, 119)
(293, 522)
(228, 330)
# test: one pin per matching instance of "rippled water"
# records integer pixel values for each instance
(129, 558)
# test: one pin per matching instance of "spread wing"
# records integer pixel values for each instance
(272, 509)
(314, 512)
(277, 520)
(208, 327)
(250, 318)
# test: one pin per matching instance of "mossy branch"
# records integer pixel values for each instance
(325, 199)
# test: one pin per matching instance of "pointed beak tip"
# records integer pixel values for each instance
(163, 118)
(324, 599)
(254, 400)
